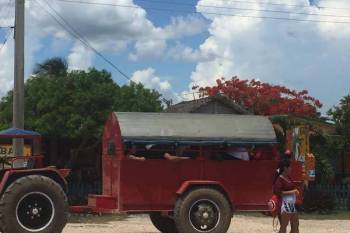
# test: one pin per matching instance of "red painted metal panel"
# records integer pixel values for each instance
(188, 184)
(8, 173)
(152, 184)
(249, 183)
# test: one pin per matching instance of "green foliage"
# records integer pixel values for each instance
(341, 116)
(326, 147)
(75, 105)
(135, 98)
(317, 200)
(6, 111)
(52, 67)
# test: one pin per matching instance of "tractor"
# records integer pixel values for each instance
(32, 197)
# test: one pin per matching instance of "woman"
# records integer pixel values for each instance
(287, 194)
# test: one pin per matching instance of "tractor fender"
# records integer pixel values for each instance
(188, 185)
(51, 172)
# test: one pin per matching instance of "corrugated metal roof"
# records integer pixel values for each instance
(193, 105)
(195, 128)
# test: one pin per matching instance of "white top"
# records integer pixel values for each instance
(290, 198)
(239, 153)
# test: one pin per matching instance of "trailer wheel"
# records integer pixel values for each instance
(33, 204)
(163, 223)
(203, 210)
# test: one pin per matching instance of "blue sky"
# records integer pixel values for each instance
(174, 49)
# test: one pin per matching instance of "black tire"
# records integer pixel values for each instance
(163, 223)
(203, 210)
(33, 204)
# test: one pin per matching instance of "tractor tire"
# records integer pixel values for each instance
(33, 204)
(203, 210)
(163, 223)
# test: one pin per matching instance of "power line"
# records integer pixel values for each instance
(6, 39)
(73, 32)
(285, 4)
(241, 2)
(242, 9)
(204, 12)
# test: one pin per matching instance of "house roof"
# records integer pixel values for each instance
(192, 106)
(194, 128)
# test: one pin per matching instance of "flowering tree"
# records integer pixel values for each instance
(265, 99)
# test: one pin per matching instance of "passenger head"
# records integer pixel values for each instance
(285, 167)
(288, 153)
(131, 149)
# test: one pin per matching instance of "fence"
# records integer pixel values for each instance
(340, 193)
(78, 192)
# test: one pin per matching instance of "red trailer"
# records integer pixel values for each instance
(32, 197)
(193, 195)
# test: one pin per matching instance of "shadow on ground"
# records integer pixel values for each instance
(96, 219)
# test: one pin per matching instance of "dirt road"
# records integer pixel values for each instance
(240, 224)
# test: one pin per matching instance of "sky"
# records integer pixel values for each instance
(173, 45)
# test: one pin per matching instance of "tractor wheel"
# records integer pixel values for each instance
(203, 210)
(33, 204)
(163, 223)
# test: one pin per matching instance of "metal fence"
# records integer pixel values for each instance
(78, 192)
(340, 193)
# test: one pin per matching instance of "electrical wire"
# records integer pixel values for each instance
(240, 8)
(285, 4)
(204, 12)
(9, 33)
(73, 32)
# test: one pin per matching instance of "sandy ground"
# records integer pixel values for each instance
(240, 224)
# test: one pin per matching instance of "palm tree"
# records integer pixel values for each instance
(52, 67)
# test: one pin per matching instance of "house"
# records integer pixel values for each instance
(218, 104)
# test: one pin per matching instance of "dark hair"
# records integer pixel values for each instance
(283, 164)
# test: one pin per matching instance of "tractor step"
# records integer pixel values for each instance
(98, 204)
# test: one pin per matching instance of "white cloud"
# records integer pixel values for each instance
(155, 44)
(6, 67)
(182, 27)
(148, 49)
(185, 53)
(108, 29)
(301, 55)
(150, 80)
(80, 58)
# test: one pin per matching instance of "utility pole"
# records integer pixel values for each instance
(18, 91)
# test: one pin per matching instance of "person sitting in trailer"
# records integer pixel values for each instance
(236, 153)
(131, 153)
(181, 153)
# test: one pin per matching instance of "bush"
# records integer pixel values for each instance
(320, 201)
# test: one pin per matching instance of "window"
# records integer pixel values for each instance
(111, 149)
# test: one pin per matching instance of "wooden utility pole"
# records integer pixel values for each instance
(18, 91)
